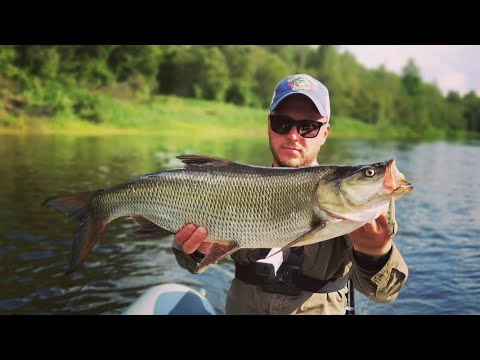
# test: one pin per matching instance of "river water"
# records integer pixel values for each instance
(439, 222)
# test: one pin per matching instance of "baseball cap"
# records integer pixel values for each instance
(303, 84)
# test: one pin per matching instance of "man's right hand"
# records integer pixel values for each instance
(191, 237)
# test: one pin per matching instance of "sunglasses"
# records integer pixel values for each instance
(282, 124)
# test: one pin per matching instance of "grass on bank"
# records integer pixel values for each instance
(175, 116)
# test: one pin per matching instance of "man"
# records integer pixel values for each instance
(368, 255)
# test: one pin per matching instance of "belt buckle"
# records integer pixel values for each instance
(285, 282)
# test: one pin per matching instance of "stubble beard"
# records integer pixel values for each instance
(294, 162)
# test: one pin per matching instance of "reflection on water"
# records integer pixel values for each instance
(439, 222)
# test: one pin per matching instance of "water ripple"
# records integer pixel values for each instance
(439, 224)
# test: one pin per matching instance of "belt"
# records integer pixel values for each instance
(294, 284)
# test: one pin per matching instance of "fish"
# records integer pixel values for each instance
(241, 206)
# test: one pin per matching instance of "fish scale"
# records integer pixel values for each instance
(232, 208)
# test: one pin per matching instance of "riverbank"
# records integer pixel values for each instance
(174, 116)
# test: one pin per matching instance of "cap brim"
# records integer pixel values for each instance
(322, 111)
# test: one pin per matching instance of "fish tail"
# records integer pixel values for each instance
(77, 205)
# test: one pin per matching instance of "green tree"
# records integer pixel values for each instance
(177, 71)
(411, 78)
(270, 69)
(416, 100)
(326, 64)
(7, 60)
(40, 61)
(167, 69)
(442, 114)
(212, 74)
(472, 111)
(87, 64)
(194, 71)
(126, 61)
(294, 56)
(242, 67)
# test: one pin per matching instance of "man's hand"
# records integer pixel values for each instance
(372, 238)
(191, 237)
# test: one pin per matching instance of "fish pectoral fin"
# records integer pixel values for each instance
(148, 229)
(199, 160)
(217, 252)
(304, 239)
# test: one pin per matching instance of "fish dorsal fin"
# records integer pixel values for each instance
(304, 239)
(199, 160)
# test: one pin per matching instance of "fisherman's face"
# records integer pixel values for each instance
(291, 149)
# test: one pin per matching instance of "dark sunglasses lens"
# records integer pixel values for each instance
(283, 124)
(308, 128)
(280, 124)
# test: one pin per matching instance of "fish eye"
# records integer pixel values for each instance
(369, 172)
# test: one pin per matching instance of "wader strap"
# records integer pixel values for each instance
(248, 274)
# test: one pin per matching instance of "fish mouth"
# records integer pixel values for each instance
(403, 188)
(394, 181)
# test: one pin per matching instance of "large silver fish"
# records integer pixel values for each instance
(242, 206)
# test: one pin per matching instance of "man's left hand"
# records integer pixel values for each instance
(372, 238)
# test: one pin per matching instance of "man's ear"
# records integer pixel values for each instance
(325, 131)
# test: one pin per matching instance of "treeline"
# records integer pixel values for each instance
(44, 80)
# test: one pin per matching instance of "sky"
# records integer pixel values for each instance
(450, 67)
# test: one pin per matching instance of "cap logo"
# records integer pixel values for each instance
(300, 83)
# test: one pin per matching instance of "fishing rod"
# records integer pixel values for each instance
(350, 298)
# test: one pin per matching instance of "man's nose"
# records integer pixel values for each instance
(293, 133)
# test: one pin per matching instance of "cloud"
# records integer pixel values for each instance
(450, 67)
